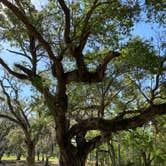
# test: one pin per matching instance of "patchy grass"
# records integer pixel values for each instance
(23, 163)
(11, 161)
(53, 159)
(9, 158)
(23, 158)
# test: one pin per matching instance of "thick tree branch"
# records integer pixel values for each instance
(25, 70)
(83, 75)
(32, 48)
(107, 59)
(18, 75)
(118, 124)
(67, 39)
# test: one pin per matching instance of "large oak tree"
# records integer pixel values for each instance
(74, 43)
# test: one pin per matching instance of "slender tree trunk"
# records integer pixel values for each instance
(146, 159)
(1, 158)
(119, 157)
(31, 153)
(112, 154)
(1, 155)
(47, 161)
(38, 156)
(97, 157)
(43, 156)
(18, 156)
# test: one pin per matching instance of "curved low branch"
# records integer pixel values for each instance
(117, 124)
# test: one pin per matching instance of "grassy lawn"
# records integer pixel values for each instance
(12, 162)
(52, 159)
(11, 158)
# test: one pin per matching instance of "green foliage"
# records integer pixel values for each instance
(138, 54)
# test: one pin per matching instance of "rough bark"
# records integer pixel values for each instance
(71, 159)
(31, 153)
(118, 123)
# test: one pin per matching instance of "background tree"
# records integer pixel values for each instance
(28, 117)
(5, 127)
(16, 147)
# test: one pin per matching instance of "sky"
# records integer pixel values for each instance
(38, 3)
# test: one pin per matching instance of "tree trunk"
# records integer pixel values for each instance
(97, 157)
(38, 156)
(47, 161)
(43, 156)
(31, 153)
(18, 156)
(75, 161)
(119, 157)
(1, 155)
(69, 155)
(1, 158)
(112, 154)
(68, 159)
(146, 159)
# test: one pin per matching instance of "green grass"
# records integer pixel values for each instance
(9, 158)
(52, 159)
